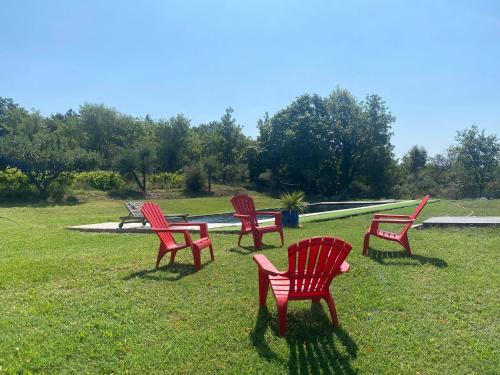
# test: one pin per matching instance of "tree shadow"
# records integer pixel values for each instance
(126, 194)
(169, 272)
(381, 257)
(40, 203)
(315, 346)
(246, 250)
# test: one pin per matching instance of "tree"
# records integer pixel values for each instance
(415, 160)
(44, 158)
(225, 141)
(211, 166)
(137, 163)
(328, 145)
(11, 116)
(347, 132)
(377, 160)
(294, 142)
(194, 180)
(173, 138)
(476, 157)
(107, 131)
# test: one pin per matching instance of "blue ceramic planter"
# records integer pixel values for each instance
(290, 218)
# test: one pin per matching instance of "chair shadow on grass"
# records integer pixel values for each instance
(381, 257)
(168, 272)
(245, 250)
(315, 346)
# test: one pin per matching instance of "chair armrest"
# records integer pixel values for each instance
(393, 221)
(266, 266)
(176, 216)
(380, 216)
(277, 216)
(187, 236)
(345, 267)
(269, 213)
(242, 216)
(172, 230)
(203, 227)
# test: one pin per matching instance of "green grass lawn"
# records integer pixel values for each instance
(75, 302)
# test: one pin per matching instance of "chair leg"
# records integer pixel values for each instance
(161, 253)
(212, 257)
(263, 288)
(196, 258)
(406, 244)
(172, 256)
(282, 237)
(257, 240)
(333, 311)
(366, 243)
(282, 305)
(239, 238)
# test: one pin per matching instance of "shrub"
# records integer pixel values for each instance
(167, 180)
(266, 178)
(14, 184)
(234, 173)
(99, 180)
(294, 201)
(60, 188)
(493, 189)
(194, 180)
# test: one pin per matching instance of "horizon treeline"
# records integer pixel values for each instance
(335, 146)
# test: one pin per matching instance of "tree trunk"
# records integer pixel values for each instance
(141, 186)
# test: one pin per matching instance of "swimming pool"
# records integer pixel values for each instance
(227, 217)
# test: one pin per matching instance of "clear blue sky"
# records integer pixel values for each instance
(436, 63)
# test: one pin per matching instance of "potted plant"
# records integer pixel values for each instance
(293, 204)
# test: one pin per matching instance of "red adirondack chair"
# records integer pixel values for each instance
(245, 211)
(401, 237)
(312, 265)
(152, 212)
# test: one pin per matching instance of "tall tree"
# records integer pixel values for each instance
(294, 142)
(325, 145)
(11, 116)
(476, 157)
(108, 131)
(225, 141)
(377, 157)
(137, 163)
(415, 160)
(173, 138)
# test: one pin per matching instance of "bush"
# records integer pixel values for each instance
(167, 180)
(194, 180)
(234, 173)
(14, 184)
(493, 189)
(99, 180)
(60, 188)
(266, 178)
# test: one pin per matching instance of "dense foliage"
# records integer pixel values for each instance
(470, 168)
(99, 180)
(330, 145)
(334, 146)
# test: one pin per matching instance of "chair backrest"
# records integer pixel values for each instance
(420, 207)
(134, 207)
(152, 212)
(314, 262)
(243, 205)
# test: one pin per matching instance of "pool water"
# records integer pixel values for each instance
(227, 218)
